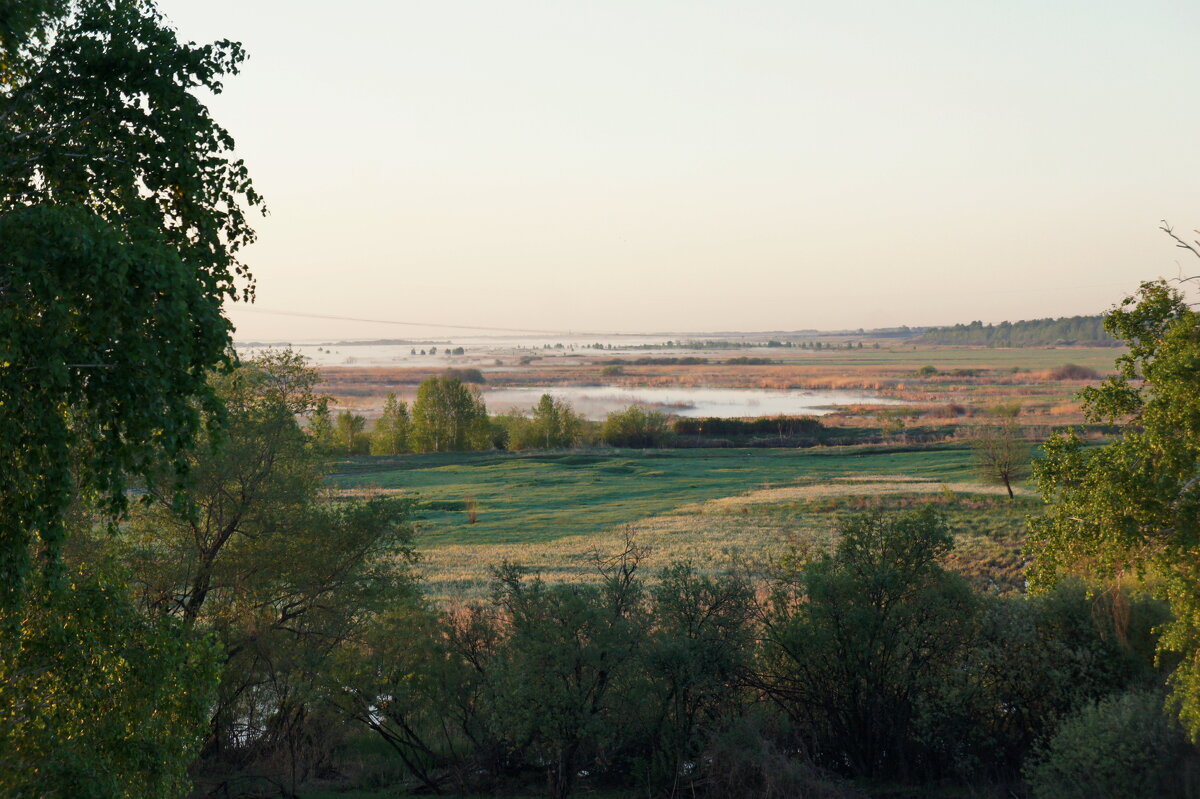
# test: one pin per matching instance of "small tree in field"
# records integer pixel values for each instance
(349, 434)
(390, 436)
(1002, 454)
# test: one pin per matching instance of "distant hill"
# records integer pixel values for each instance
(1066, 330)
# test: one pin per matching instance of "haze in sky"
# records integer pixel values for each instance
(656, 166)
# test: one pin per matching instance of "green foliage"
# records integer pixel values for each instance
(857, 641)
(552, 424)
(700, 648)
(1002, 454)
(390, 436)
(121, 213)
(604, 679)
(320, 427)
(1122, 747)
(1035, 660)
(349, 434)
(101, 701)
(568, 650)
(449, 416)
(1089, 330)
(257, 556)
(635, 427)
(466, 375)
(761, 426)
(1132, 507)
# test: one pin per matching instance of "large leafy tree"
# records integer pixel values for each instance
(110, 703)
(122, 212)
(1131, 508)
(279, 574)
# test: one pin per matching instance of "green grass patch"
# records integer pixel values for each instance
(548, 496)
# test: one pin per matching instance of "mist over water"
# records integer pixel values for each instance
(596, 402)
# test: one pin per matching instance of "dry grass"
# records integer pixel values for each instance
(972, 377)
(751, 531)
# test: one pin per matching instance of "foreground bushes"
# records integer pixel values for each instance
(1122, 747)
(868, 663)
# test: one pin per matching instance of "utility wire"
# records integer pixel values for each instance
(428, 324)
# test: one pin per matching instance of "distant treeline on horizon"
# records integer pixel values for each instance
(1086, 330)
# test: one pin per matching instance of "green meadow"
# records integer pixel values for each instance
(719, 508)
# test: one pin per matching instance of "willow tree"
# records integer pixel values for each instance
(122, 211)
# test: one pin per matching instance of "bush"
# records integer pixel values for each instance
(1123, 746)
(635, 427)
(1072, 371)
(465, 375)
(762, 426)
(611, 370)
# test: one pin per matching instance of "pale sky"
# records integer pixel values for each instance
(692, 166)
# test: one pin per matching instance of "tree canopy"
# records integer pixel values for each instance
(1131, 508)
(448, 416)
(122, 212)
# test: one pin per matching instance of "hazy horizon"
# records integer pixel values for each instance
(661, 166)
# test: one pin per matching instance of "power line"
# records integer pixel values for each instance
(427, 324)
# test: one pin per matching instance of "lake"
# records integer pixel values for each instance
(596, 402)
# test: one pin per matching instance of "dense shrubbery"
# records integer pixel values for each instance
(868, 662)
(465, 375)
(762, 426)
(635, 427)
(551, 424)
(645, 360)
(1121, 747)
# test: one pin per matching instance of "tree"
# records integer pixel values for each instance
(259, 559)
(567, 651)
(390, 436)
(348, 434)
(1132, 508)
(110, 703)
(552, 423)
(555, 423)
(320, 427)
(1001, 453)
(858, 640)
(635, 427)
(122, 213)
(449, 416)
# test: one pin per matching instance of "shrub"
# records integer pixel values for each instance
(1072, 371)
(1123, 746)
(635, 427)
(465, 375)
(611, 370)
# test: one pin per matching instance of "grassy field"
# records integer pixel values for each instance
(721, 508)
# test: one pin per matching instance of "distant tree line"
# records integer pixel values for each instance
(766, 425)
(450, 416)
(686, 360)
(1085, 330)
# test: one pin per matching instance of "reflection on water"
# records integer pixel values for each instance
(596, 402)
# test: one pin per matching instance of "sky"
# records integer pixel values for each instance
(685, 165)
